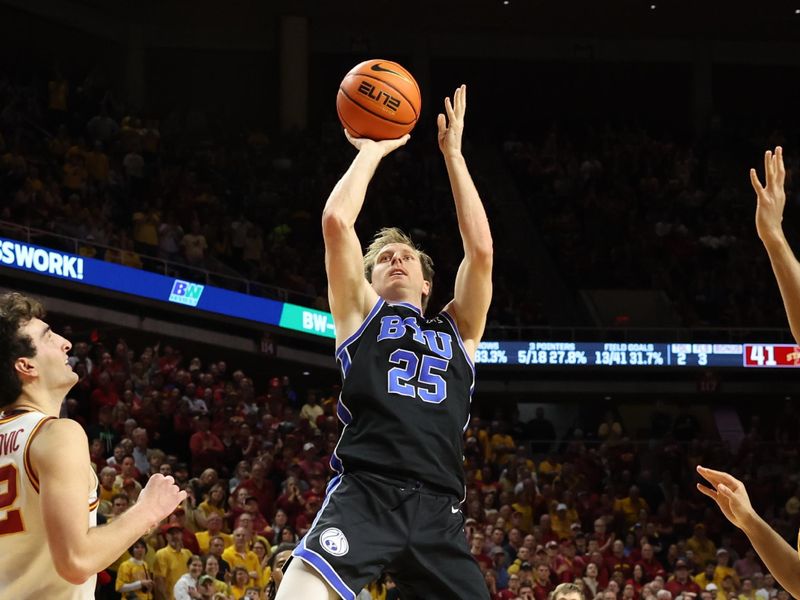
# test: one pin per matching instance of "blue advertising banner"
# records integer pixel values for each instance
(119, 278)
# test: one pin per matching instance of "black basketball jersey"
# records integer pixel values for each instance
(405, 401)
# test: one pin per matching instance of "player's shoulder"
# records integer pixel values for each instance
(54, 436)
(54, 429)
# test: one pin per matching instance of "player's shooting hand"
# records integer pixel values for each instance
(382, 147)
(730, 495)
(771, 197)
(451, 127)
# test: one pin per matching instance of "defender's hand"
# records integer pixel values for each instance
(730, 495)
(160, 497)
(382, 147)
(452, 127)
(771, 198)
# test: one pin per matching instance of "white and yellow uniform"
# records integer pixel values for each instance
(26, 565)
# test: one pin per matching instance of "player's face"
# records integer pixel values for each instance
(50, 364)
(397, 274)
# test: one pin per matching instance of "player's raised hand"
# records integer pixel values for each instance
(771, 196)
(730, 495)
(160, 497)
(451, 128)
(384, 147)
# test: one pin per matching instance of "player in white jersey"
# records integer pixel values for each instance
(49, 544)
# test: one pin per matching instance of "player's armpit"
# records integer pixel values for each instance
(473, 295)
(349, 293)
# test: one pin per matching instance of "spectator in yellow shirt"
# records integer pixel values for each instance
(133, 576)
(75, 173)
(502, 444)
(707, 576)
(630, 506)
(214, 528)
(724, 568)
(241, 581)
(239, 556)
(703, 548)
(562, 520)
(171, 561)
(97, 165)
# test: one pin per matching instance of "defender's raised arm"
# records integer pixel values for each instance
(769, 216)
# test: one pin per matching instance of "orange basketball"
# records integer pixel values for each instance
(378, 99)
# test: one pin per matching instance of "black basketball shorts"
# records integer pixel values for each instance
(369, 524)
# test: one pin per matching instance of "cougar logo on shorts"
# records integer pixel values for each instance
(333, 542)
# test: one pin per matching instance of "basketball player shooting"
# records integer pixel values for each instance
(49, 544)
(394, 504)
(729, 493)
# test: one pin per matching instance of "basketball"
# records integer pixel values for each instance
(378, 99)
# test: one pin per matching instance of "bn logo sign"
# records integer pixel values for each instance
(184, 292)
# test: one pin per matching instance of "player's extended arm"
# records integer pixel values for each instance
(348, 291)
(60, 457)
(769, 215)
(473, 287)
(731, 496)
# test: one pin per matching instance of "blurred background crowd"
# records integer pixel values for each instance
(608, 506)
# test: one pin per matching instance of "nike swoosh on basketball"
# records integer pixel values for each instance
(455, 509)
(378, 67)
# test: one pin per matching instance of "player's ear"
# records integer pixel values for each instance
(427, 286)
(25, 367)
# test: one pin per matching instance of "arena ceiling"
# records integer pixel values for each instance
(712, 19)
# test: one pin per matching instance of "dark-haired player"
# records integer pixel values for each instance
(408, 380)
(49, 545)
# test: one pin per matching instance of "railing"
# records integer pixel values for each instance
(500, 332)
(156, 264)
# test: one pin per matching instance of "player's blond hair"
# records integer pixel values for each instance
(394, 235)
(564, 589)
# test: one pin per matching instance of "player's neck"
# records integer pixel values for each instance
(416, 302)
(39, 400)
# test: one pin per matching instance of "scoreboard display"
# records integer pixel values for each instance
(594, 354)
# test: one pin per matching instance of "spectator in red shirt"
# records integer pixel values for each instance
(262, 488)
(546, 531)
(476, 550)
(259, 521)
(650, 564)
(617, 561)
(306, 518)
(682, 584)
(566, 566)
(512, 591)
(103, 395)
(542, 586)
(207, 449)
(603, 537)
(292, 501)
(526, 592)
(309, 463)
